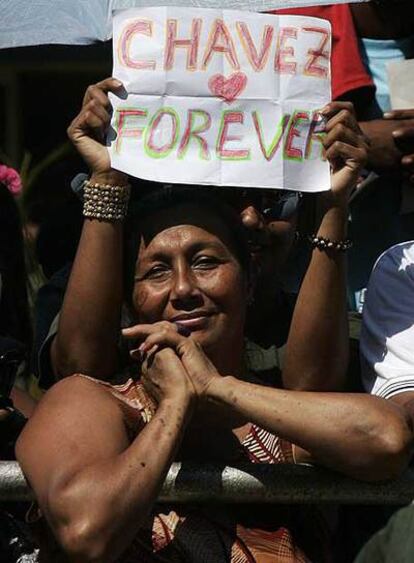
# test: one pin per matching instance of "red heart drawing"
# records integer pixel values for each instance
(228, 88)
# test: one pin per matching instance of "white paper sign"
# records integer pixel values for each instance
(221, 97)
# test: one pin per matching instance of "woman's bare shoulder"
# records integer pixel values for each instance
(75, 411)
(76, 424)
(75, 391)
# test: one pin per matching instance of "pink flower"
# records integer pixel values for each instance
(11, 179)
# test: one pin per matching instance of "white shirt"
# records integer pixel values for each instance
(387, 336)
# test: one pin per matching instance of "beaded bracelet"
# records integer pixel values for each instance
(105, 202)
(327, 244)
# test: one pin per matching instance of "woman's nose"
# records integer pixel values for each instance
(183, 284)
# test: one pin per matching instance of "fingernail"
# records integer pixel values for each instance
(387, 115)
(320, 125)
(117, 83)
(397, 133)
(407, 160)
(136, 355)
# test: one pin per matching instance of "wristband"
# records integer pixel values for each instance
(323, 243)
(105, 202)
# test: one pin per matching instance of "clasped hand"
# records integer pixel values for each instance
(173, 366)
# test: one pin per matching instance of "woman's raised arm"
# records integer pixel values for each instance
(316, 357)
(88, 332)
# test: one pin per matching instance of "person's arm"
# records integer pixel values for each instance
(89, 323)
(316, 356)
(88, 332)
(362, 436)
(92, 485)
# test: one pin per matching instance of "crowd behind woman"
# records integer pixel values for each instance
(162, 343)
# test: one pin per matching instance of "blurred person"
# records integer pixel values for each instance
(387, 338)
(386, 32)
(387, 371)
(364, 37)
(380, 216)
(394, 543)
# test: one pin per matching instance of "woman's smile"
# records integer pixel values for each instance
(194, 321)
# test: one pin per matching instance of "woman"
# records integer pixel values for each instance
(96, 454)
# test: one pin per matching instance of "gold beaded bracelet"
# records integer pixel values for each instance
(327, 244)
(105, 202)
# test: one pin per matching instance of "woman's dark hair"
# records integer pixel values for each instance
(14, 309)
(173, 196)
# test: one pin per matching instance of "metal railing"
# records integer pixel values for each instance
(249, 483)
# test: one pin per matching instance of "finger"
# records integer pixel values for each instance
(407, 160)
(93, 122)
(341, 133)
(161, 339)
(101, 97)
(85, 122)
(143, 353)
(107, 85)
(407, 131)
(345, 117)
(399, 114)
(333, 108)
(251, 218)
(143, 330)
(136, 355)
(340, 152)
(99, 111)
(150, 354)
(198, 366)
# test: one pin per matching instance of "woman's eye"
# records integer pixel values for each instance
(206, 262)
(156, 272)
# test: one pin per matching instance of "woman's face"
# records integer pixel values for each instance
(187, 273)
